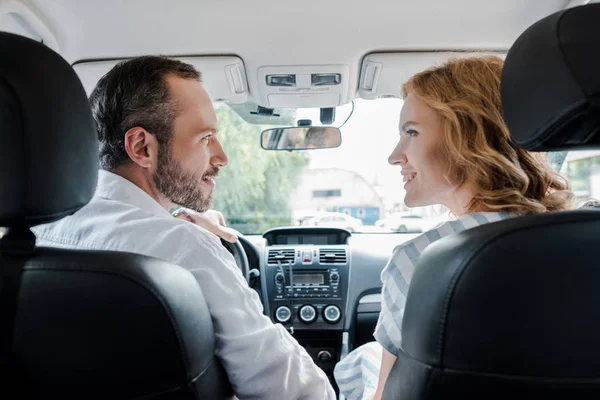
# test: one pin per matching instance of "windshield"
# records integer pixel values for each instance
(351, 187)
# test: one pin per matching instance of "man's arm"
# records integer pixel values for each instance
(262, 359)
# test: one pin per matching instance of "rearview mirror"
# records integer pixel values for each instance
(301, 138)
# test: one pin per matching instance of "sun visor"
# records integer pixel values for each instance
(224, 77)
(382, 74)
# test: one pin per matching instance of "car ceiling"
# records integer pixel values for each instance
(275, 33)
(268, 32)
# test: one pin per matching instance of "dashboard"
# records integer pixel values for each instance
(305, 277)
(322, 284)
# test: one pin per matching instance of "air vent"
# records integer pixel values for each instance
(284, 255)
(332, 256)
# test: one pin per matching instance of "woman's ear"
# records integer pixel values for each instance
(141, 147)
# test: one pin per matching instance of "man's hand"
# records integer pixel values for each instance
(211, 220)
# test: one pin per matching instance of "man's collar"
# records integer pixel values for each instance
(115, 187)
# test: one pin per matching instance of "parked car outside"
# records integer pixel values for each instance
(403, 222)
(336, 220)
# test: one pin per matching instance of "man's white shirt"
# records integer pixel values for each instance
(262, 359)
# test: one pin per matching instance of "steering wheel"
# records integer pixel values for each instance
(239, 254)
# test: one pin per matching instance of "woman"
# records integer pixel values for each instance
(454, 150)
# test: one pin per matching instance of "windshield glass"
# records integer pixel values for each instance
(351, 187)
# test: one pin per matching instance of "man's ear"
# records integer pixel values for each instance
(142, 147)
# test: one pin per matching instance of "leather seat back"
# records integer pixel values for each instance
(82, 324)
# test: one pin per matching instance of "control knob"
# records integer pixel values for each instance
(308, 314)
(332, 314)
(283, 314)
(324, 356)
(279, 277)
(334, 277)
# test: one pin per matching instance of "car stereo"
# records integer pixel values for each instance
(307, 284)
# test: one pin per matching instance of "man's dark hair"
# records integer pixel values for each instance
(315, 136)
(135, 93)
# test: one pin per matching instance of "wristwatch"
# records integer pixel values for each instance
(182, 211)
(175, 211)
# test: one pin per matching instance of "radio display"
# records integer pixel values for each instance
(308, 279)
(307, 239)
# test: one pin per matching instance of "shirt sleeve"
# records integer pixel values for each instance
(262, 359)
(396, 277)
(393, 299)
(397, 274)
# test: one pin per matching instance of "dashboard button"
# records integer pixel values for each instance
(332, 314)
(308, 314)
(307, 256)
(283, 314)
(324, 356)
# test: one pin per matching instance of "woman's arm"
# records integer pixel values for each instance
(211, 220)
(387, 362)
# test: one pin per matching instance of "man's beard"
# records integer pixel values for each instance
(180, 187)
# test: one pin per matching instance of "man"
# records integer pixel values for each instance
(159, 147)
(322, 137)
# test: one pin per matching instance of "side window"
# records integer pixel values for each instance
(582, 169)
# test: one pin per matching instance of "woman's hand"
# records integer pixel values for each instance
(211, 220)
(387, 362)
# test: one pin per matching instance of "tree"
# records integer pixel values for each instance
(253, 191)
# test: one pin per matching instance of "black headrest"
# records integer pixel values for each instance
(48, 140)
(551, 82)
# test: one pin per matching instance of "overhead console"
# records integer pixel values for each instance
(303, 86)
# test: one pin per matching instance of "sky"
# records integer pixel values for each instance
(368, 138)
